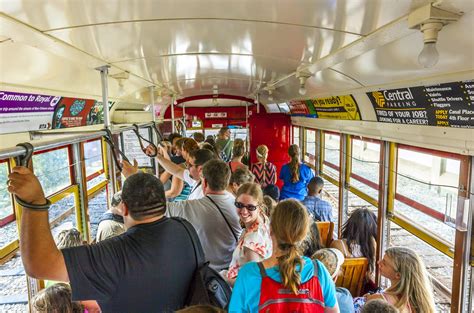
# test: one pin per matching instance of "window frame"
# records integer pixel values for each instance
(9, 218)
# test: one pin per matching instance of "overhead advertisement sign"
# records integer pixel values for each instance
(448, 105)
(24, 112)
(20, 112)
(336, 108)
(299, 107)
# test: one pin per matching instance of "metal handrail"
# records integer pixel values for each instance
(55, 143)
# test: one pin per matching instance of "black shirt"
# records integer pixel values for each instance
(146, 269)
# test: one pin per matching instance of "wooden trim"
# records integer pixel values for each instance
(365, 181)
(420, 207)
(8, 249)
(423, 234)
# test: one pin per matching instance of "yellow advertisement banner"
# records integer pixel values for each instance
(336, 108)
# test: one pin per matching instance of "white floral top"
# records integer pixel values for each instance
(256, 238)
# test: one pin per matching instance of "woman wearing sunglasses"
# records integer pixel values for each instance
(287, 281)
(255, 243)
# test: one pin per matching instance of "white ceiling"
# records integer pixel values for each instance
(187, 47)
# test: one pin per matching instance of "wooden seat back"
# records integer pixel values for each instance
(352, 275)
(326, 230)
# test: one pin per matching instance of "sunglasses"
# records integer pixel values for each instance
(249, 207)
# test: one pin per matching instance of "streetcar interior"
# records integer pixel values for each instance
(387, 125)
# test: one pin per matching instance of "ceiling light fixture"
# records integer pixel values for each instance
(121, 78)
(430, 20)
(270, 89)
(302, 76)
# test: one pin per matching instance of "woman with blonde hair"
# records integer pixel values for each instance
(56, 298)
(287, 281)
(295, 176)
(255, 243)
(264, 171)
(410, 287)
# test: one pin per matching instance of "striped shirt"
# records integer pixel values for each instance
(265, 174)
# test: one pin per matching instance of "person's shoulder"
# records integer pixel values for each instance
(249, 270)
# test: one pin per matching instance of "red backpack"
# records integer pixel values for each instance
(274, 297)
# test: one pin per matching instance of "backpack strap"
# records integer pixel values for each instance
(225, 219)
(262, 269)
(198, 251)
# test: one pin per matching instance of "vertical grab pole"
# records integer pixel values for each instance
(247, 139)
(173, 126)
(153, 118)
(112, 188)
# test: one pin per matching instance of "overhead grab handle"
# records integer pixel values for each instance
(159, 135)
(115, 151)
(24, 159)
(142, 139)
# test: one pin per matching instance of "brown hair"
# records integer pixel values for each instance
(56, 298)
(217, 174)
(251, 189)
(241, 176)
(262, 153)
(238, 150)
(290, 225)
(189, 145)
(294, 153)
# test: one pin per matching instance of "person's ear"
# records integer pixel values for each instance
(124, 209)
(398, 276)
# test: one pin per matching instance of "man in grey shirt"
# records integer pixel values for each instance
(214, 217)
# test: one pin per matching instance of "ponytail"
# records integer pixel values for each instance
(294, 164)
(288, 264)
(290, 225)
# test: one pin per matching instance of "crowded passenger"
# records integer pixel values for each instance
(295, 176)
(255, 243)
(238, 152)
(111, 222)
(56, 298)
(224, 144)
(175, 153)
(114, 271)
(198, 136)
(175, 188)
(258, 284)
(320, 210)
(358, 237)
(312, 242)
(410, 287)
(214, 216)
(191, 175)
(379, 306)
(264, 171)
(238, 178)
(271, 191)
(333, 259)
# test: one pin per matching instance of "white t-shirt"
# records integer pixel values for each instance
(196, 188)
(216, 238)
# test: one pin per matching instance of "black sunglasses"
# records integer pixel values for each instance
(249, 207)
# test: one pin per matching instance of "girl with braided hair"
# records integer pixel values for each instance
(295, 176)
(287, 281)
